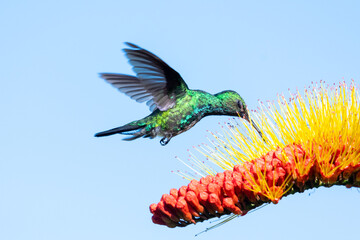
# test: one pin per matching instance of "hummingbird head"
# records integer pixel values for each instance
(233, 104)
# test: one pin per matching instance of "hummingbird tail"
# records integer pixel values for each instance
(127, 130)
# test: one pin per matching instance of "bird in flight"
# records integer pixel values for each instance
(174, 107)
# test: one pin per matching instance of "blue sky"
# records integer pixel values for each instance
(59, 182)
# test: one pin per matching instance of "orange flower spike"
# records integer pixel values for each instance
(203, 197)
(228, 203)
(214, 188)
(157, 220)
(167, 209)
(202, 187)
(280, 176)
(215, 203)
(230, 191)
(194, 202)
(219, 179)
(164, 216)
(290, 163)
(174, 192)
(182, 191)
(183, 209)
(193, 212)
(238, 183)
(270, 178)
(206, 180)
(169, 200)
(194, 186)
(153, 208)
(204, 201)
(247, 190)
(311, 141)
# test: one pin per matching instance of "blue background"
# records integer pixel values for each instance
(59, 182)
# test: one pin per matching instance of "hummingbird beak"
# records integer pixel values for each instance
(245, 114)
(252, 123)
(257, 129)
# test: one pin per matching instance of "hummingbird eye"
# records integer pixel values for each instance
(241, 106)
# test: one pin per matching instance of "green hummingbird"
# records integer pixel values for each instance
(175, 108)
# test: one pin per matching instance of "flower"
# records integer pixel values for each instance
(308, 142)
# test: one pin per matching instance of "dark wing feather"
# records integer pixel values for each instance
(162, 82)
(129, 85)
(156, 83)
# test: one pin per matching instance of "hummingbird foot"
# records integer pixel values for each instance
(165, 140)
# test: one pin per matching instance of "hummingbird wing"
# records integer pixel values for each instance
(129, 85)
(156, 82)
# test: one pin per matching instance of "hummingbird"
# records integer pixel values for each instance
(174, 107)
